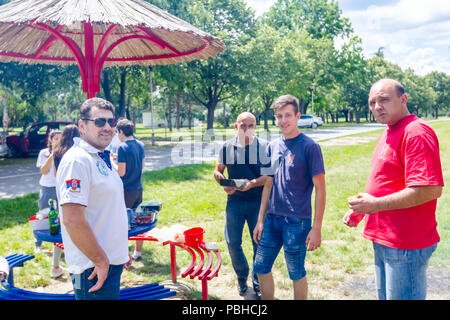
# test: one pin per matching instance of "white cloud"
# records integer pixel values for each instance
(260, 6)
(414, 33)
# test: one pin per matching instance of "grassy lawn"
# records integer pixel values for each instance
(191, 197)
(163, 134)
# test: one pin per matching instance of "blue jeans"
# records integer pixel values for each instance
(401, 274)
(109, 291)
(237, 213)
(289, 233)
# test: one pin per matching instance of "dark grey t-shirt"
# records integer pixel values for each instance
(244, 163)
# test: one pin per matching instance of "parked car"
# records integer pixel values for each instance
(3, 146)
(309, 121)
(33, 139)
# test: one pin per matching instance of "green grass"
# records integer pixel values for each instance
(197, 133)
(191, 197)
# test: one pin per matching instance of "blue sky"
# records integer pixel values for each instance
(414, 33)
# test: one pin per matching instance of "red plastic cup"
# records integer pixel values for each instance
(194, 236)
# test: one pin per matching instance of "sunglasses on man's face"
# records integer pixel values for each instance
(101, 122)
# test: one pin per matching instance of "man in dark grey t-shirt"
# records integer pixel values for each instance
(243, 157)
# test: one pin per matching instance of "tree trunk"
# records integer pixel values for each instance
(266, 118)
(210, 117)
(189, 115)
(133, 117)
(358, 115)
(225, 120)
(303, 106)
(5, 116)
(169, 113)
(123, 88)
(106, 85)
(211, 106)
(127, 108)
(178, 102)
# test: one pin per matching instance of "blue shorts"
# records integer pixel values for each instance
(289, 233)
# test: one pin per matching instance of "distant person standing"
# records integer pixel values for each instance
(130, 163)
(242, 157)
(46, 165)
(399, 202)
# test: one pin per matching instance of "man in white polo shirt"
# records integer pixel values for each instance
(94, 223)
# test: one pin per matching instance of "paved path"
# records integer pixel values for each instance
(20, 179)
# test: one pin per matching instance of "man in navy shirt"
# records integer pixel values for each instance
(130, 163)
(242, 156)
(284, 220)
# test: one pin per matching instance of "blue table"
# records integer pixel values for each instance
(44, 235)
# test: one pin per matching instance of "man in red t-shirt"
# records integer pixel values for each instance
(400, 199)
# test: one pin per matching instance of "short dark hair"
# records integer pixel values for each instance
(126, 126)
(284, 100)
(86, 107)
(399, 88)
(397, 85)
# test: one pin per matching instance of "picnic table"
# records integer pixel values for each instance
(44, 235)
(205, 264)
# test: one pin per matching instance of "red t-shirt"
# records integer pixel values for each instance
(407, 155)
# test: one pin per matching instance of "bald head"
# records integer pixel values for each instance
(387, 101)
(392, 83)
(245, 115)
(245, 126)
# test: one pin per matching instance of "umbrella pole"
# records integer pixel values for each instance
(93, 82)
(151, 102)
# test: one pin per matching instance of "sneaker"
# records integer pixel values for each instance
(242, 287)
(57, 272)
(136, 257)
(257, 291)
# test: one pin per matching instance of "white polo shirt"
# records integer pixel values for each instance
(84, 178)
(48, 179)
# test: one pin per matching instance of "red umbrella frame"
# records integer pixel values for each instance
(94, 44)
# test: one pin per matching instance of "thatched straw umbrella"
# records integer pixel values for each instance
(98, 33)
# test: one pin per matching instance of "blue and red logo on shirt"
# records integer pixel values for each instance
(73, 185)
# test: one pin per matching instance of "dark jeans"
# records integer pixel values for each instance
(109, 291)
(133, 198)
(237, 213)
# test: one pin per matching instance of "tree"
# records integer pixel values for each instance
(380, 52)
(262, 70)
(30, 82)
(421, 97)
(440, 82)
(320, 18)
(312, 25)
(355, 75)
(219, 79)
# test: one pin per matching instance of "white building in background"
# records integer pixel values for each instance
(157, 122)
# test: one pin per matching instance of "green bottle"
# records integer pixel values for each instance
(53, 218)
